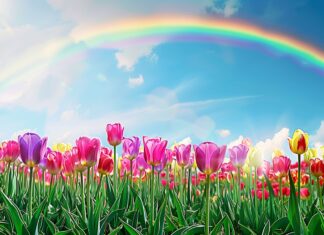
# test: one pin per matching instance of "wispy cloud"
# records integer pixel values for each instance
(136, 81)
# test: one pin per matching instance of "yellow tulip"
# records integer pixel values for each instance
(255, 157)
(61, 147)
(277, 153)
(299, 142)
(310, 154)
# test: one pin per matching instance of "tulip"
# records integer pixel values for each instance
(238, 155)
(209, 158)
(32, 149)
(317, 169)
(281, 165)
(61, 147)
(130, 150)
(182, 153)
(54, 162)
(88, 152)
(68, 163)
(311, 153)
(10, 151)
(255, 157)
(154, 152)
(115, 134)
(304, 193)
(298, 144)
(106, 163)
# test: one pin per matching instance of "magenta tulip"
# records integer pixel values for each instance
(183, 154)
(10, 151)
(209, 157)
(238, 154)
(88, 150)
(106, 163)
(154, 150)
(115, 133)
(281, 165)
(54, 162)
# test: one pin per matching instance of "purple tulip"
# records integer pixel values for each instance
(209, 157)
(32, 148)
(183, 154)
(131, 147)
(238, 154)
(154, 150)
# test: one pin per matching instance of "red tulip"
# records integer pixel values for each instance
(53, 162)
(106, 163)
(317, 167)
(304, 193)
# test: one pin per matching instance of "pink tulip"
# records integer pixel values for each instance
(264, 169)
(182, 153)
(154, 150)
(304, 193)
(238, 154)
(281, 165)
(88, 150)
(209, 157)
(115, 133)
(53, 162)
(10, 151)
(68, 163)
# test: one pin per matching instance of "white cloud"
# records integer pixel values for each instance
(236, 142)
(227, 8)
(136, 81)
(318, 138)
(278, 141)
(224, 133)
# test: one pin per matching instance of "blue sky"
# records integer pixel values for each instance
(201, 90)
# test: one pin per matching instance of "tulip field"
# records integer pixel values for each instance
(144, 185)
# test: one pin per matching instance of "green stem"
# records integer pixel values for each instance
(99, 187)
(207, 204)
(131, 172)
(299, 179)
(319, 193)
(115, 172)
(88, 191)
(255, 195)
(189, 186)
(51, 186)
(30, 193)
(82, 197)
(280, 196)
(152, 199)
(239, 185)
(43, 176)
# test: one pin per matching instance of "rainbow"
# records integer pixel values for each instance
(160, 29)
(176, 28)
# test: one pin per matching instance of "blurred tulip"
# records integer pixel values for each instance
(281, 165)
(304, 193)
(209, 157)
(255, 157)
(32, 148)
(10, 151)
(299, 142)
(115, 133)
(317, 167)
(61, 147)
(68, 163)
(154, 150)
(238, 154)
(311, 153)
(264, 169)
(131, 147)
(182, 153)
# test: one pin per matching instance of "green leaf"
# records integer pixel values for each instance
(194, 229)
(293, 209)
(32, 227)
(67, 232)
(15, 215)
(246, 230)
(218, 227)
(266, 229)
(314, 225)
(179, 209)
(280, 225)
(116, 230)
(130, 229)
(159, 222)
(50, 225)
